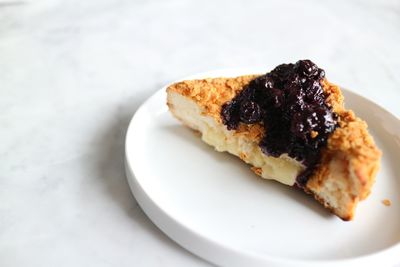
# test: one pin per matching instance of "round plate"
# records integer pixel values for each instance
(214, 206)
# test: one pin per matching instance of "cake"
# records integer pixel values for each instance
(290, 125)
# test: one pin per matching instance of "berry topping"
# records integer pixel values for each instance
(250, 112)
(291, 104)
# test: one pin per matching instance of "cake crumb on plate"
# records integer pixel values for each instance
(386, 202)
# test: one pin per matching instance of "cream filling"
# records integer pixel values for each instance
(283, 169)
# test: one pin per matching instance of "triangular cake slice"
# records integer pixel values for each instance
(290, 125)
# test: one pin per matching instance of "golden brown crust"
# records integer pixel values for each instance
(350, 145)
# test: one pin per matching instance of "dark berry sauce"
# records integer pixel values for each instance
(291, 104)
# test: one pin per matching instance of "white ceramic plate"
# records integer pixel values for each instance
(214, 206)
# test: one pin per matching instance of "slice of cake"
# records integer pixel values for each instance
(290, 125)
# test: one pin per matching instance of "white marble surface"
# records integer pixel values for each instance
(72, 73)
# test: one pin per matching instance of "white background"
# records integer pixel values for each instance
(72, 74)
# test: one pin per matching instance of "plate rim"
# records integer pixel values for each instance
(171, 226)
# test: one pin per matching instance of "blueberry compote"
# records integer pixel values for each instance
(291, 104)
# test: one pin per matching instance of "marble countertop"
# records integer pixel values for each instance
(72, 74)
